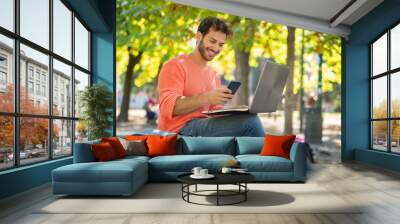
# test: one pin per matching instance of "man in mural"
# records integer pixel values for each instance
(188, 86)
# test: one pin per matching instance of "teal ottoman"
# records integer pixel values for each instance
(118, 177)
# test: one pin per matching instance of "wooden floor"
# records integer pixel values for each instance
(378, 189)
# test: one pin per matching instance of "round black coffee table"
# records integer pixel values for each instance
(238, 179)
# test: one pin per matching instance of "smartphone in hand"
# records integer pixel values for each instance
(234, 86)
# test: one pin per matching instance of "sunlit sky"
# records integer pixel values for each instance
(379, 91)
(379, 58)
(395, 45)
(35, 27)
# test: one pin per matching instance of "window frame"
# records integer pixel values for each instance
(16, 114)
(388, 74)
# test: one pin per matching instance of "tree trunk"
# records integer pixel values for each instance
(126, 92)
(242, 69)
(242, 75)
(319, 90)
(302, 84)
(289, 99)
(319, 102)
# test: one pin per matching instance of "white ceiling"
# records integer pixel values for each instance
(317, 15)
(322, 9)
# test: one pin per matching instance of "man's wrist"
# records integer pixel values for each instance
(204, 98)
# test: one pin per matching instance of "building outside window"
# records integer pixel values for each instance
(62, 127)
(30, 87)
(3, 81)
(43, 90)
(44, 78)
(55, 97)
(3, 72)
(30, 72)
(37, 89)
(3, 78)
(3, 61)
(37, 75)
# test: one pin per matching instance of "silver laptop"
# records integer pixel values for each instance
(268, 92)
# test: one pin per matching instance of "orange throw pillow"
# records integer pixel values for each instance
(103, 152)
(161, 145)
(277, 145)
(116, 145)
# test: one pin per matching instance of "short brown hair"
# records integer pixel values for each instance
(214, 23)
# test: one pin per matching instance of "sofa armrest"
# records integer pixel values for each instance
(83, 152)
(299, 159)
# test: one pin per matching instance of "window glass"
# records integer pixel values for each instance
(33, 140)
(7, 14)
(379, 56)
(379, 135)
(81, 45)
(81, 82)
(6, 142)
(395, 136)
(62, 29)
(34, 81)
(6, 74)
(379, 98)
(62, 138)
(81, 131)
(30, 58)
(34, 21)
(395, 95)
(395, 47)
(62, 91)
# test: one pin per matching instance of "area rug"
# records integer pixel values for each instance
(167, 198)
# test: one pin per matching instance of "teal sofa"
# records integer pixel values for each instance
(125, 176)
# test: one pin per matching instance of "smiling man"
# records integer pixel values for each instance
(187, 86)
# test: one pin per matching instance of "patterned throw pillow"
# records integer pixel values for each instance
(134, 147)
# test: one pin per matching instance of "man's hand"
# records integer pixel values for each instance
(219, 95)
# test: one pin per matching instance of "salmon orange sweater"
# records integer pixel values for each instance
(181, 76)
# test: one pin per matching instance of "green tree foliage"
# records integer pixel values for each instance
(380, 127)
(244, 31)
(329, 47)
(148, 34)
(158, 30)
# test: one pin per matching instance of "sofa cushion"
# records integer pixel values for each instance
(83, 152)
(112, 171)
(207, 145)
(161, 145)
(132, 158)
(103, 151)
(257, 163)
(93, 172)
(249, 145)
(116, 145)
(134, 147)
(277, 145)
(185, 163)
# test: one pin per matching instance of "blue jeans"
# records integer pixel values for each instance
(231, 125)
